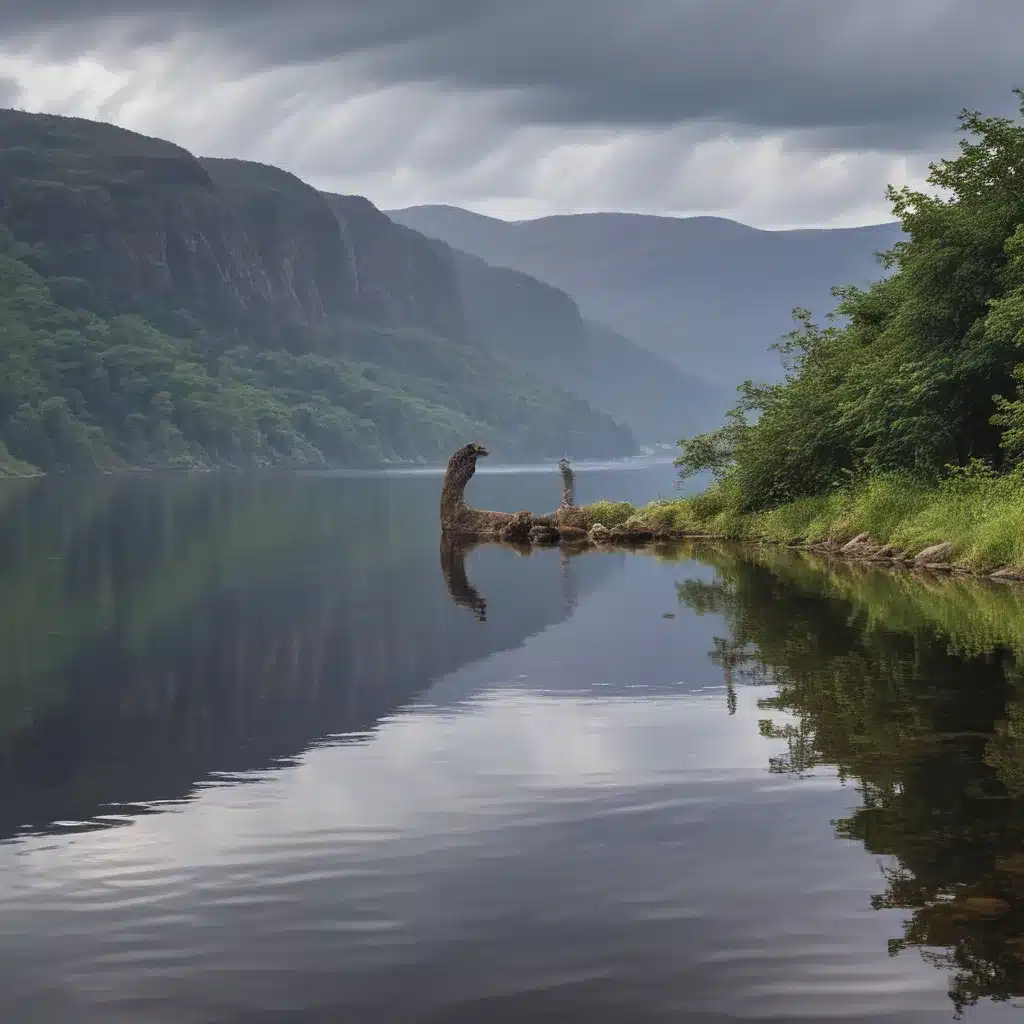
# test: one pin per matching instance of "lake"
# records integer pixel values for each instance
(269, 755)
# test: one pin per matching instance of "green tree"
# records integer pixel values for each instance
(915, 373)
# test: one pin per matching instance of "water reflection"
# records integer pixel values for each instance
(455, 552)
(155, 631)
(360, 787)
(911, 689)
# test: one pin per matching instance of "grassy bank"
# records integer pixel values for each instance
(980, 514)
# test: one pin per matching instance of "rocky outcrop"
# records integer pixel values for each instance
(301, 260)
(145, 226)
(937, 554)
(401, 277)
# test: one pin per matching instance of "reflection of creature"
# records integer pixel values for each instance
(453, 569)
(455, 550)
(570, 590)
(568, 484)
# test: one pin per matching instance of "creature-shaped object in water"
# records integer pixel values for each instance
(459, 518)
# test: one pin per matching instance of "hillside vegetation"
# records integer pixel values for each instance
(906, 420)
(161, 311)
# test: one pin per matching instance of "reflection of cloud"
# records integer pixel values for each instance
(502, 752)
(481, 854)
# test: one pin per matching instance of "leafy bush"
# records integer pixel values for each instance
(609, 513)
(917, 372)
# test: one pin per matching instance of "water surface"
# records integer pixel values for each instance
(268, 756)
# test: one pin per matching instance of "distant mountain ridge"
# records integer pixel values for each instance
(540, 329)
(709, 294)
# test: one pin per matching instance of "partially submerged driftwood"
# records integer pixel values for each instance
(461, 519)
(566, 525)
(463, 527)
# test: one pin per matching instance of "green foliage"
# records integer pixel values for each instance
(979, 511)
(608, 513)
(919, 371)
(280, 339)
(715, 451)
(81, 391)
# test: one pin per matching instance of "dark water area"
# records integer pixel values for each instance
(270, 753)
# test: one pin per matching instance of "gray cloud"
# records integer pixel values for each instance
(491, 99)
(10, 91)
(759, 63)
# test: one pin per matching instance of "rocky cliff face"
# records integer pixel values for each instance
(140, 221)
(142, 225)
(402, 278)
(296, 259)
(519, 317)
(292, 328)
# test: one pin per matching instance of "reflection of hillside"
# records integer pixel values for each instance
(910, 688)
(157, 631)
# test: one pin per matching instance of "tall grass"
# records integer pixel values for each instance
(979, 513)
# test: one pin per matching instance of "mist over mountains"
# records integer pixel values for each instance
(164, 310)
(708, 294)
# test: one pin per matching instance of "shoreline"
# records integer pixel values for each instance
(865, 552)
(971, 527)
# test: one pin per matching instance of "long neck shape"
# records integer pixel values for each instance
(461, 467)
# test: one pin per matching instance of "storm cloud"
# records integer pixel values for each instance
(773, 111)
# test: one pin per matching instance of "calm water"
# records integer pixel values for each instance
(268, 755)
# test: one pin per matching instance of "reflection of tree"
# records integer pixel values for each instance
(908, 689)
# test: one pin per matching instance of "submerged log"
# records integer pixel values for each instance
(459, 518)
(567, 525)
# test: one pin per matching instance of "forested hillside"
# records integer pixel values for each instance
(925, 371)
(158, 310)
(902, 420)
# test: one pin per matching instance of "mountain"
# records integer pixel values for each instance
(540, 329)
(157, 309)
(709, 294)
(400, 277)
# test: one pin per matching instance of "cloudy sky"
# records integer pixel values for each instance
(775, 112)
